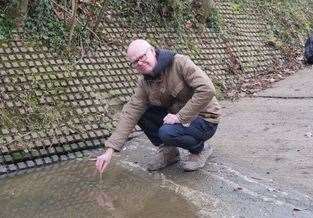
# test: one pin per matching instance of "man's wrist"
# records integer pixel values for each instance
(110, 150)
(184, 124)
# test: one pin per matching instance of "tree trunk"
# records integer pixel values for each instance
(22, 12)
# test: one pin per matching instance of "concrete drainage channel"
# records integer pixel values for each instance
(74, 189)
(40, 160)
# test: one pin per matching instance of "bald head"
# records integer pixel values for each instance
(142, 56)
(137, 46)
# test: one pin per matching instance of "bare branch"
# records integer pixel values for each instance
(77, 19)
(73, 21)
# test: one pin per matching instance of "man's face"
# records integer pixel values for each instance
(142, 59)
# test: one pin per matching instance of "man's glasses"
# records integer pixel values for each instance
(141, 58)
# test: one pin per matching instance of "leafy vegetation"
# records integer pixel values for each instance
(7, 24)
(42, 22)
(70, 24)
(73, 24)
(289, 21)
(180, 15)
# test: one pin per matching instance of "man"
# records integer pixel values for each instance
(174, 104)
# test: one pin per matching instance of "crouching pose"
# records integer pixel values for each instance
(174, 103)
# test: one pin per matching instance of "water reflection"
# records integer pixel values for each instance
(73, 189)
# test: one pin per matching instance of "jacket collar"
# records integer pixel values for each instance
(164, 60)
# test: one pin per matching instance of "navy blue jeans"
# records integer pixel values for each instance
(191, 138)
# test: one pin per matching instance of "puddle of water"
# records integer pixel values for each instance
(73, 189)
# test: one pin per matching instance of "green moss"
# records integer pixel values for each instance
(17, 156)
(236, 8)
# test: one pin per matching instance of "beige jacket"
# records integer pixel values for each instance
(183, 88)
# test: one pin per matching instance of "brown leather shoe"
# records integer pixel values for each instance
(165, 156)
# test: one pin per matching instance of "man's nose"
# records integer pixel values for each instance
(140, 61)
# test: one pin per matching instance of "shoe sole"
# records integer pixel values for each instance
(162, 167)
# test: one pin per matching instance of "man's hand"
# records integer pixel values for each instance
(104, 160)
(171, 119)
